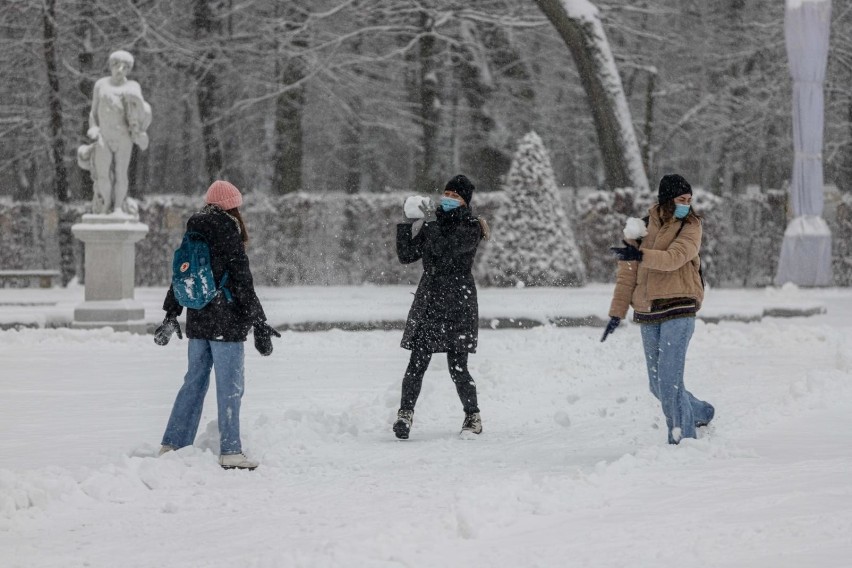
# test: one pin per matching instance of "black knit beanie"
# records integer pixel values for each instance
(671, 186)
(461, 185)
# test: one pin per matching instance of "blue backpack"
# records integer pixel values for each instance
(193, 283)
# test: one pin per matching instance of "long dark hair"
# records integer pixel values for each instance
(235, 213)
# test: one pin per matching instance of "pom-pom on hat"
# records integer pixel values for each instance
(223, 194)
(671, 186)
(463, 186)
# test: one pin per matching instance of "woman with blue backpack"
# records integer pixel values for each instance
(212, 279)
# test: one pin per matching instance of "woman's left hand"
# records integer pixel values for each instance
(610, 327)
(263, 333)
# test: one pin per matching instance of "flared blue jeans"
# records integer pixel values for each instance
(228, 359)
(665, 346)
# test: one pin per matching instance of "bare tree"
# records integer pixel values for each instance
(428, 93)
(290, 70)
(207, 27)
(580, 27)
(363, 95)
(485, 56)
(57, 142)
(838, 146)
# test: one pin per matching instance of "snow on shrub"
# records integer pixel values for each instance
(532, 240)
(340, 239)
(842, 242)
(600, 224)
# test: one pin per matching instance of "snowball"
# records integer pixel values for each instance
(412, 206)
(635, 229)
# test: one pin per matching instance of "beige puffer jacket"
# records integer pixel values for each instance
(669, 267)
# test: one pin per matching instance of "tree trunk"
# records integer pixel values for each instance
(289, 137)
(60, 178)
(287, 173)
(579, 25)
(352, 149)
(649, 121)
(426, 179)
(846, 171)
(206, 26)
(189, 171)
(133, 173)
(353, 129)
(485, 55)
(85, 84)
(205, 89)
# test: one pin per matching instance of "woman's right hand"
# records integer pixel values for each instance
(419, 207)
(428, 208)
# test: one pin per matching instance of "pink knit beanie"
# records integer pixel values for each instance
(223, 194)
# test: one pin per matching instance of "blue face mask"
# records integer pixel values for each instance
(681, 211)
(449, 203)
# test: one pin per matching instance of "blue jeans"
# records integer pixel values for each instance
(228, 358)
(665, 353)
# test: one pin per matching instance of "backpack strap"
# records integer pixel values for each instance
(700, 271)
(222, 286)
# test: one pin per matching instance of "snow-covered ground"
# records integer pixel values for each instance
(292, 306)
(572, 468)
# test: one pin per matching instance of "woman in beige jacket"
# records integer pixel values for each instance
(659, 275)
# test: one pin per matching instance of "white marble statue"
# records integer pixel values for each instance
(119, 119)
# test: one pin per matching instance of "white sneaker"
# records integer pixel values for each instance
(237, 461)
(166, 449)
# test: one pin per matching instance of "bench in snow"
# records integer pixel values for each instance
(28, 278)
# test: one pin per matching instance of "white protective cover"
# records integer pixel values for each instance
(806, 253)
(806, 31)
(806, 250)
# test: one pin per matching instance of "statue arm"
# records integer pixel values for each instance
(138, 115)
(94, 128)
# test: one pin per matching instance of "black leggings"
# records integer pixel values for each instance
(413, 380)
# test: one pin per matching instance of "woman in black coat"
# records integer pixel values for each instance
(218, 330)
(444, 317)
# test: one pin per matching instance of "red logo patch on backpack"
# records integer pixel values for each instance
(184, 267)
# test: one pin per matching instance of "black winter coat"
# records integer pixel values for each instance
(221, 320)
(445, 314)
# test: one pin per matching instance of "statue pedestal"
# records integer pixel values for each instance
(110, 242)
(806, 253)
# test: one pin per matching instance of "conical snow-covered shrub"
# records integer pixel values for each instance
(533, 243)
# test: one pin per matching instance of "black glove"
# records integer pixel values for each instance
(163, 333)
(628, 252)
(429, 210)
(263, 333)
(610, 327)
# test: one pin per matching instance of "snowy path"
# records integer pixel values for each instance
(572, 469)
(292, 306)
